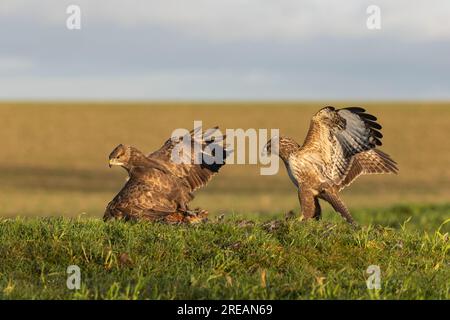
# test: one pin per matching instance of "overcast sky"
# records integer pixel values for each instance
(224, 49)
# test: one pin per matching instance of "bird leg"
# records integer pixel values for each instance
(318, 209)
(309, 204)
(333, 198)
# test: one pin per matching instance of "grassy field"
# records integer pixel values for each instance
(53, 159)
(55, 183)
(230, 259)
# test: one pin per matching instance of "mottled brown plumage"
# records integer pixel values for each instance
(159, 188)
(339, 147)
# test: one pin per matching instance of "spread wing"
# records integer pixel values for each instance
(197, 168)
(336, 136)
(369, 162)
(148, 193)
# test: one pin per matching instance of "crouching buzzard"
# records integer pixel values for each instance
(339, 147)
(159, 188)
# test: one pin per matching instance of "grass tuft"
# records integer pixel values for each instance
(231, 259)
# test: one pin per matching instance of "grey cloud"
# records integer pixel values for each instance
(42, 59)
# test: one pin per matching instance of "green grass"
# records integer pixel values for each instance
(54, 163)
(230, 259)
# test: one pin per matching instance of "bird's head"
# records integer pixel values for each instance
(120, 156)
(127, 157)
(282, 146)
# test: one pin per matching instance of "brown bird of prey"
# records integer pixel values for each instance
(339, 147)
(159, 188)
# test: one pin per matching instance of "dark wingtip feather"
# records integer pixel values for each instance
(377, 134)
(378, 141)
(355, 109)
(361, 112)
(368, 116)
(373, 124)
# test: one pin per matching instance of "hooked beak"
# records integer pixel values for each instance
(114, 162)
(265, 152)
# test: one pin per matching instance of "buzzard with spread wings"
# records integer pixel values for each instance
(339, 147)
(159, 188)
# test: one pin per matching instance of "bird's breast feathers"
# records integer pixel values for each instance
(306, 166)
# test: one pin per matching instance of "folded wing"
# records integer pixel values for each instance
(150, 194)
